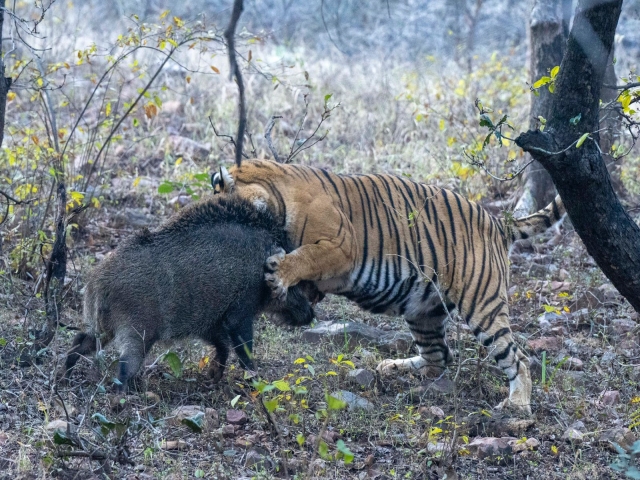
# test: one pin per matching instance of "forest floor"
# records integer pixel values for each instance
(563, 311)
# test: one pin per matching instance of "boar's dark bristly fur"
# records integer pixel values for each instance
(200, 274)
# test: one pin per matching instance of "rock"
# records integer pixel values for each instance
(437, 448)
(354, 402)
(578, 425)
(151, 397)
(4, 438)
(610, 397)
(592, 298)
(359, 335)
(572, 435)
(491, 446)
(540, 271)
(436, 412)
(563, 274)
(548, 344)
(210, 416)
(56, 425)
(183, 146)
(362, 377)
(572, 363)
(520, 446)
(550, 319)
(441, 385)
(608, 357)
(257, 460)
(174, 445)
(237, 417)
(560, 286)
(618, 435)
(228, 431)
(622, 326)
(580, 317)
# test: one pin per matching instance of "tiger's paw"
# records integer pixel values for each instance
(389, 366)
(520, 407)
(274, 282)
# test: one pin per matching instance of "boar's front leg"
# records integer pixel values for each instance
(217, 365)
(239, 327)
(132, 346)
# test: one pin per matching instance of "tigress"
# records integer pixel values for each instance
(399, 247)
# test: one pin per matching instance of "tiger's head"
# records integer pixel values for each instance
(240, 181)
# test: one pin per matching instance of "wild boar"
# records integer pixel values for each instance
(200, 274)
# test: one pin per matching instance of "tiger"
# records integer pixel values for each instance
(398, 247)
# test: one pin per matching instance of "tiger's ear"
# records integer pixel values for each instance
(222, 181)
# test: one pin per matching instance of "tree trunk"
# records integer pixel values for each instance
(580, 174)
(547, 38)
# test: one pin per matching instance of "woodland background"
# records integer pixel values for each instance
(119, 100)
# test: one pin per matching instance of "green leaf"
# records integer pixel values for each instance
(271, 405)
(103, 421)
(175, 364)
(342, 448)
(203, 177)
(282, 385)
(485, 121)
(327, 97)
(486, 141)
(60, 438)
(323, 449)
(300, 439)
(195, 422)
(582, 139)
(165, 187)
(576, 119)
(554, 71)
(235, 400)
(334, 403)
(552, 88)
(543, 81)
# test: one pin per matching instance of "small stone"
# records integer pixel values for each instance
(610, 397)
(257, 459)
(209, 421)
(436, 448)
(243, 443)
(560, 286)
(592, 298)
(228, 431)
(491, 446)
(572, 435)
(237, 417)
(436, 412)
(3, 438)
(563, 274)
(572, 363)
(360, 376)
(354, 402)
(549, 344)
(370, 460)
(520, 446)
(151, 397)
(578, 425)
(622, 326)
(608, 357)
(174, 445)
(620, 436)
(56, 425)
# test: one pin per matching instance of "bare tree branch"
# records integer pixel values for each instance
(267, 136)
(229, 35)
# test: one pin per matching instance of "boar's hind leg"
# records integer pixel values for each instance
(240, 330)
(133, 347)
(83, 344)
(216, 367)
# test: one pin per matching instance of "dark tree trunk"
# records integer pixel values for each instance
(548, 31)
(580, 174)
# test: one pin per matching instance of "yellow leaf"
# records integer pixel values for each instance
(554, 449)
(178, 21)
(178, 161)
(11, 96)
(164, 14)
(188, 79)
(512, 156)
(136, 182)
(172, 42)
(204, 361)
(331, 373)
(451, 141)
(554, 71)
(299, 361)
(107, 109)
(635, 399)
(566, 309)
(442, 124)
(215, 69)
(95, 202)
(541, 82)
(582, 140)
(163, 44)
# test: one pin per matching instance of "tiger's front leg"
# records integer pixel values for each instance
(328, 250)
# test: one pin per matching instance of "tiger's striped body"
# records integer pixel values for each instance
(399, 247)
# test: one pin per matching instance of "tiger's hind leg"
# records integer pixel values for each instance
(491, 328)
(427, 325)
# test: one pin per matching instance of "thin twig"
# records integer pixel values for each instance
(229, 35)
(622, 87)
(267, 136)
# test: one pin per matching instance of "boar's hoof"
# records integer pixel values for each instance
(215, 371)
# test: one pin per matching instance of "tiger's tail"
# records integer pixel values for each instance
(542, 220)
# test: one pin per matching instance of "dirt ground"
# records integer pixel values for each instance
(563, 311)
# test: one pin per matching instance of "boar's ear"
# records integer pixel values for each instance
(222, 181)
